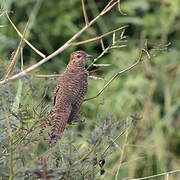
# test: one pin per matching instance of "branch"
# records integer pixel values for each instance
(119, 8)
(98, 37)
(149, 55)
(116, 75)
(157, 175)
(57, 75)
(108, 4)
(2, 13)
(11, 66)
(59, 50)
(44, 76)
(84, 12)
(111, 46)
(10, 148)
(26, 41)
(113, 141)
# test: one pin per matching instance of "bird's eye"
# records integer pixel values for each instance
(78, 56)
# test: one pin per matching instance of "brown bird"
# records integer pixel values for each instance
(68, 95)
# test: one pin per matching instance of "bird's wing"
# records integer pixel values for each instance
(58, 91)
(78, 101)
(75, 110)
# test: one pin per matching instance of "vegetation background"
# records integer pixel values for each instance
(151, 90)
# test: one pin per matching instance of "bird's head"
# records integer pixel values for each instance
(79, 58)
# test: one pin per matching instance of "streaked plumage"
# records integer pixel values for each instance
(68, 95)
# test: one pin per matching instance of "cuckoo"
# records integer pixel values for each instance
(68, 95)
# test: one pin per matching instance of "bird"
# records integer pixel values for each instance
(68, 95)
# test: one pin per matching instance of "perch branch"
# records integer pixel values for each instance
(43, 75)
(54, 75)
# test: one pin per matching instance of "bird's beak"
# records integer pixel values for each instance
(88, 56)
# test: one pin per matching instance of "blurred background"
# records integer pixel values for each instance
(151, 90)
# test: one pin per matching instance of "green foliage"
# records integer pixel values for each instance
(149, 146)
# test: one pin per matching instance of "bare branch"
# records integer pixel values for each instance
(108, 7)
(84, 12)
(157, 175)
(11, 66)
(108, 4)
(1, 26)
(116, 75)
(96, 78)
(44, 75)
(102, 44)
(119, 8)
(2, 13)
(26, 41)
(59, 50)
(98, 37)
(57, 75)
(112, 142)
(111, 46)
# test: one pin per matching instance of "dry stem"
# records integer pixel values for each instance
(84, 12)
(157, 175)
(25, 40)
(98, 37)
(11, 66)
(116, 75)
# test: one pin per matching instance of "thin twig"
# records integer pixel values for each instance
(11, 66)
(17, 98)
(98, 37)
(57, 75)
(107, 8)
(167, 176)
(84, 12)
(59, 50)
(111, 46)
(108, 4)
(1, 26)
(112, 142)
(102, 44)
(157, 175)
(10, 149)
(60, 75)
(96, 78)
(25, 40)
(2, 13)
(104, 52)
(88, 153)
(44, 75)
(122, 154)
(20, 139)
(119, 8)
(115, 76)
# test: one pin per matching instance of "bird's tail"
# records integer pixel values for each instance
(58, 126)
(47, 121)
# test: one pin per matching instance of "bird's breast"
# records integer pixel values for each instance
(74, 86)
